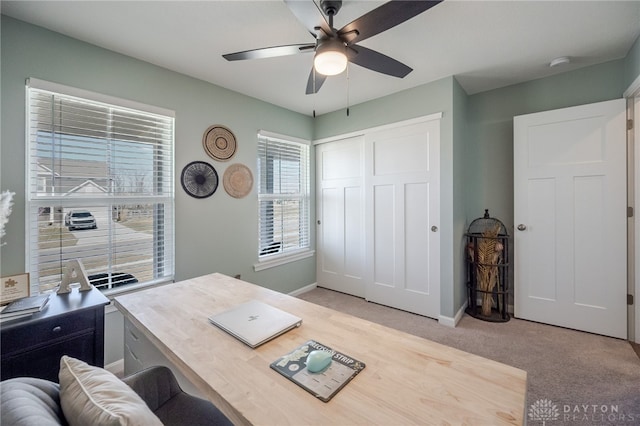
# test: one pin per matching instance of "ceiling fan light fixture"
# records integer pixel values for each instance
(330, 58)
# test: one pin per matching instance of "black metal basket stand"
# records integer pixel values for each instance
(487, 261)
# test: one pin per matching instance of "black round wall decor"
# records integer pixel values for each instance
(199, 179)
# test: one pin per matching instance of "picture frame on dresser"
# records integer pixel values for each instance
(14, 287)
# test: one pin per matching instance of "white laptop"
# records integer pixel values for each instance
(255, 323)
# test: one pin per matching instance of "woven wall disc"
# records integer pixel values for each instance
(219, 143)
(237, 180)
(199, 179)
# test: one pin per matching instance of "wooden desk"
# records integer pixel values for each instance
(407, 379)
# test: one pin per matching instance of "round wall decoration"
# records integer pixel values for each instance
(199, 179)
(237, 180)
(219, 143)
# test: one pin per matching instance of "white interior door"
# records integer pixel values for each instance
(402, 217)
(340, 199)
(570, 217)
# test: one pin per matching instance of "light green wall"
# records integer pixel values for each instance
(460, 179)
(217, 234)
(420, 101)
(632, 64)
(423, 100)
(489, 144)
(489, 154)
(477, 146)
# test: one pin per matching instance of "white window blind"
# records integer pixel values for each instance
(283, 196)
(99, 189)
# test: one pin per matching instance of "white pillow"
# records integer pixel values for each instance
(94, 396)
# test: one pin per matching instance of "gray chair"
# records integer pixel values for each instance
(29, 401)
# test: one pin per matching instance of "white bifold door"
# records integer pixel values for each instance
(378, 213)
(570, 217)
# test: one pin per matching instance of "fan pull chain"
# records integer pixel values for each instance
(314, 92)
(347, 89)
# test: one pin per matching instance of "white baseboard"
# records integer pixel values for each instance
(452, 322)
(304, 289)
(446, 321)
(116, 367)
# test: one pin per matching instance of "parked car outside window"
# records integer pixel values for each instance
(80, 219)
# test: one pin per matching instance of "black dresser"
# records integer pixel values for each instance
(70, 324)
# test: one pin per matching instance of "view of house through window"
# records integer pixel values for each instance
(100, 189)
(283, 195)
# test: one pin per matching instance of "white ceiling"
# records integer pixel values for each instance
(484, 44)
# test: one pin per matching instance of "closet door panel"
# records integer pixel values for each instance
(354, 233)
(402, 175)
(332, 231)
(384, 236)
(378, 216)
(417, 252)
(340, 211)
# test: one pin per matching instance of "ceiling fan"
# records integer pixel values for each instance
(333, 48)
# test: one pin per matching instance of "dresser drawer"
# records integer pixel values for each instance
(132, 363)
(24, 338)
(44, 361)
(142, 352)
(132, 337)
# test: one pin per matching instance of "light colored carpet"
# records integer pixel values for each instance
(591, 379)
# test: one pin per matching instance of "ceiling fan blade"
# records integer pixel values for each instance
(376, 61)
(310, 15)
(319, 80)
(382, 18)
(270, 52)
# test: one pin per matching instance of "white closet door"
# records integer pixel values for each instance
(402, 217)
(570, 216)
(340, 199)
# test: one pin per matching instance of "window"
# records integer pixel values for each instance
(99, 188)
(283, 198)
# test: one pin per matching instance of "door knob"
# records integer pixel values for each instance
(434, 228)
(522, 227)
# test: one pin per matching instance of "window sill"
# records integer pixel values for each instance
(272, 262)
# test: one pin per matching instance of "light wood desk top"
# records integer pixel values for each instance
(407, 379)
